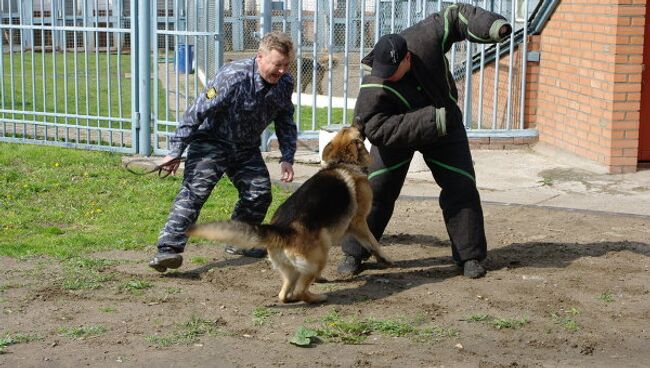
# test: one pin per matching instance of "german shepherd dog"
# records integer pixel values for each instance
(332, 203)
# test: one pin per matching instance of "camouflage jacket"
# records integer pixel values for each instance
(235, 108)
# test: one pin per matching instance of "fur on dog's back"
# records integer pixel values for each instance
(320, 202)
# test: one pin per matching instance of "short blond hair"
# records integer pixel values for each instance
(279, 41)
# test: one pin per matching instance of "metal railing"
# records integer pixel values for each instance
(90, 74)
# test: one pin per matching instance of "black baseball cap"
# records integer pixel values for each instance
(388, 54)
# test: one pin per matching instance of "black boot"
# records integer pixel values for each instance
(166, 258)
(349, 266)
(473, 269)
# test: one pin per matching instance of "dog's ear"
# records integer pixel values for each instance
(327, 152)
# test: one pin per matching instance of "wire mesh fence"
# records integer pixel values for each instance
(68, 67)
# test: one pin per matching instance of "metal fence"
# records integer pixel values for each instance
(90, 74)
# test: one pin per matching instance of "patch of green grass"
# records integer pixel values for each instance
(606, 297)
(96, 90)
(262, 315)
(306, 114)
(499, 323)
(66, 203)
(92, 92)
(435, 333)
(355, 331)
(108, 309)
(568, 323)
(18, 338)
(188, 332)
(513, 323)
(396, 328)
(479, 317)
(546, 181)
(198, 260)
(81, 332)
(86, 273)
(135, 286)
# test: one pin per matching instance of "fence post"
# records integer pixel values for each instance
(219, 39)
(265, 27)
(144, 81)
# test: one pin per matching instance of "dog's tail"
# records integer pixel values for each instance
(243, 234)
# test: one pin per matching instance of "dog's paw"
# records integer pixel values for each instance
(289, 298)
(384, 260)
(312, 298)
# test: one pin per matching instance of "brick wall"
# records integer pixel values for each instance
(588, 86)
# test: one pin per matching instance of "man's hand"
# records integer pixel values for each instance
(286, 172)
(505, 31)
(170, 164)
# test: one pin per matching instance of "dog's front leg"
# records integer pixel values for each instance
(359, 229)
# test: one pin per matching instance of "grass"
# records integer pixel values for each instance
(18, 338)
(135, 286)
(187, 333)
(546, 181)
(101, 86)
(514, 323)
(85, 273)
(262, 315)
(66, 203)
(499, 323)
(81, 332)
(46, 82)
(606, 297)
(306, 114)
(336, 328)
(566, 320)
(198, 260)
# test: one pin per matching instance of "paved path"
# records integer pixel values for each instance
(536, 177)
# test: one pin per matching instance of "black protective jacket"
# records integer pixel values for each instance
(428, 41)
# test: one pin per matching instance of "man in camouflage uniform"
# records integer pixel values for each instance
(409, 103)
(222, 133)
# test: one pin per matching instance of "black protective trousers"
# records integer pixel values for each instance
(450, 162)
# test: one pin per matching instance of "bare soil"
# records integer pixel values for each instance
(578, 283)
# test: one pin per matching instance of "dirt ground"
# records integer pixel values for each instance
(564, 289)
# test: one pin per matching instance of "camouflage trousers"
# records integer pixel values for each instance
(206, 163)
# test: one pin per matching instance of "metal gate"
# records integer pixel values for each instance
(118, 74)
(68, 74)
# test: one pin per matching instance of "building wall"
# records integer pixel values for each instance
(588, 85)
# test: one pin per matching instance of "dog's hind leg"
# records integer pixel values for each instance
(302, 290)
(289, 278)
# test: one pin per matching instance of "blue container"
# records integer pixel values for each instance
(184, 58)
